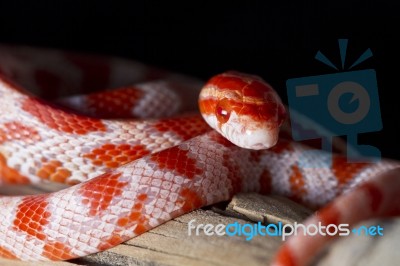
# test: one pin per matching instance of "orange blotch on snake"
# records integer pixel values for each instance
(177, 160)
(329, 215)
(186, 127)
(191, 200)
(208, 106)
(53, 170)
(297, 183)
(265, 111)
(60, 120)
(344, 170)
(222, 109)
(108, 146)
(5, 253)
(285, 257)
(142, 197)
(138, 206)
(16, 131)
(57, 251)
(112, 156)
(375, 195)
(110, 242)
(122, 221)
(118, 102)
(99, 194)
(9, 175)
(247, 95)
(229, 81)
(136, 216)
(141, 228)
(31, 216)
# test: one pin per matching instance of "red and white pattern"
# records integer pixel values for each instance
(136, 174)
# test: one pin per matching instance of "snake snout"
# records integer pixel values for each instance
(259, 138)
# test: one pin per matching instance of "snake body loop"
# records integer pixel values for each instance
(131, 175)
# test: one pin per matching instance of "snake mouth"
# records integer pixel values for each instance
(262, 141)
(249, 134)
(259, 146)
(255, 139)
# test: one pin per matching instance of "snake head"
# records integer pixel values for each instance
(243, 108)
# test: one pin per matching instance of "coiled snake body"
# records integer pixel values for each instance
(131, 175)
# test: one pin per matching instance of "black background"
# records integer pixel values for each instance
(274, 39)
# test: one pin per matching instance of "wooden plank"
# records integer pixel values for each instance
(170, 244)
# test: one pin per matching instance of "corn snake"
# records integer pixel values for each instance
(132, 175)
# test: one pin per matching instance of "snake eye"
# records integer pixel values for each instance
(223, 110)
